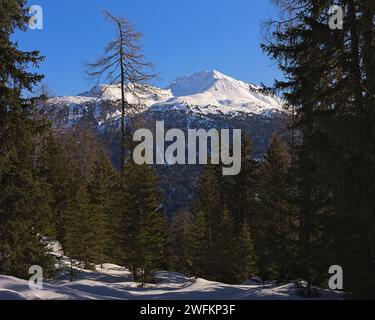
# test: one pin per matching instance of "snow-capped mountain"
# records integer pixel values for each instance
(203, 93)
(214, 92)
(204, 100)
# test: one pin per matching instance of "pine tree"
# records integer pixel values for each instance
(102, 192)
(199, 245)
(25, 198)
(219, 249)
(238, 192)
(247, 258)
(179, 243)
(330, 82)
(21, 248)
(275, 234)
(227, 256)
(209, 199)
(54, 167)
(205, 219)
(152, 237)
(143, 223)
(224, 251)
(85, 230)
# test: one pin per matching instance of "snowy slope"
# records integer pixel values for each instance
(151, 95)
(113, 282)
(104, 92)
(213, 92)
(66, 111)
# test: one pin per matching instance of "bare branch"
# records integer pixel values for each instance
(123, 63)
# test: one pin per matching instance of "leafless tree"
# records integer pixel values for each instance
(122, 63)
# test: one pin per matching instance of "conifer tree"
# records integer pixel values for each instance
(54, 167)
(179, 242)
(82, 146)
(329, 76)
(85, 230)
(143, 223)
(102, 192)
(206, 216)
(224, 251)
(275, 215)
(152, 239)
(209, 199)
(238, 192)
(25, 198)
(199, 244)
(247, 261)
(220, 246)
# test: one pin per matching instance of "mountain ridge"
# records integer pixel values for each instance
(204, 92)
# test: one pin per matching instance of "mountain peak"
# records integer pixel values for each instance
(211, 73)
(102, 90)
(223, 93)
(196, 83)
(218, 74)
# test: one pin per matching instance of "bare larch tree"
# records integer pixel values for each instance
(122, 63)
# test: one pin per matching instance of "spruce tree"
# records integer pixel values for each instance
(199, 244)
(275, 233)
(102, 193)
(25, 198)
(238, 192)
(143, 223)
(54, 168)
(220, 246)
(207, 211)
(247, 257)
(209, 199)
(224, 251)
(329, 80)
(179, 242)
(85, 230)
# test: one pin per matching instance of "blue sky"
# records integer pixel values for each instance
(180, 37)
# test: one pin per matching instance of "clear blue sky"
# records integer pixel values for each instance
(180, 37)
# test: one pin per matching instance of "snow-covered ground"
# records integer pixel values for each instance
(113, 282)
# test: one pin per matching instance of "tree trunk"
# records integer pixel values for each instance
(123, 104)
